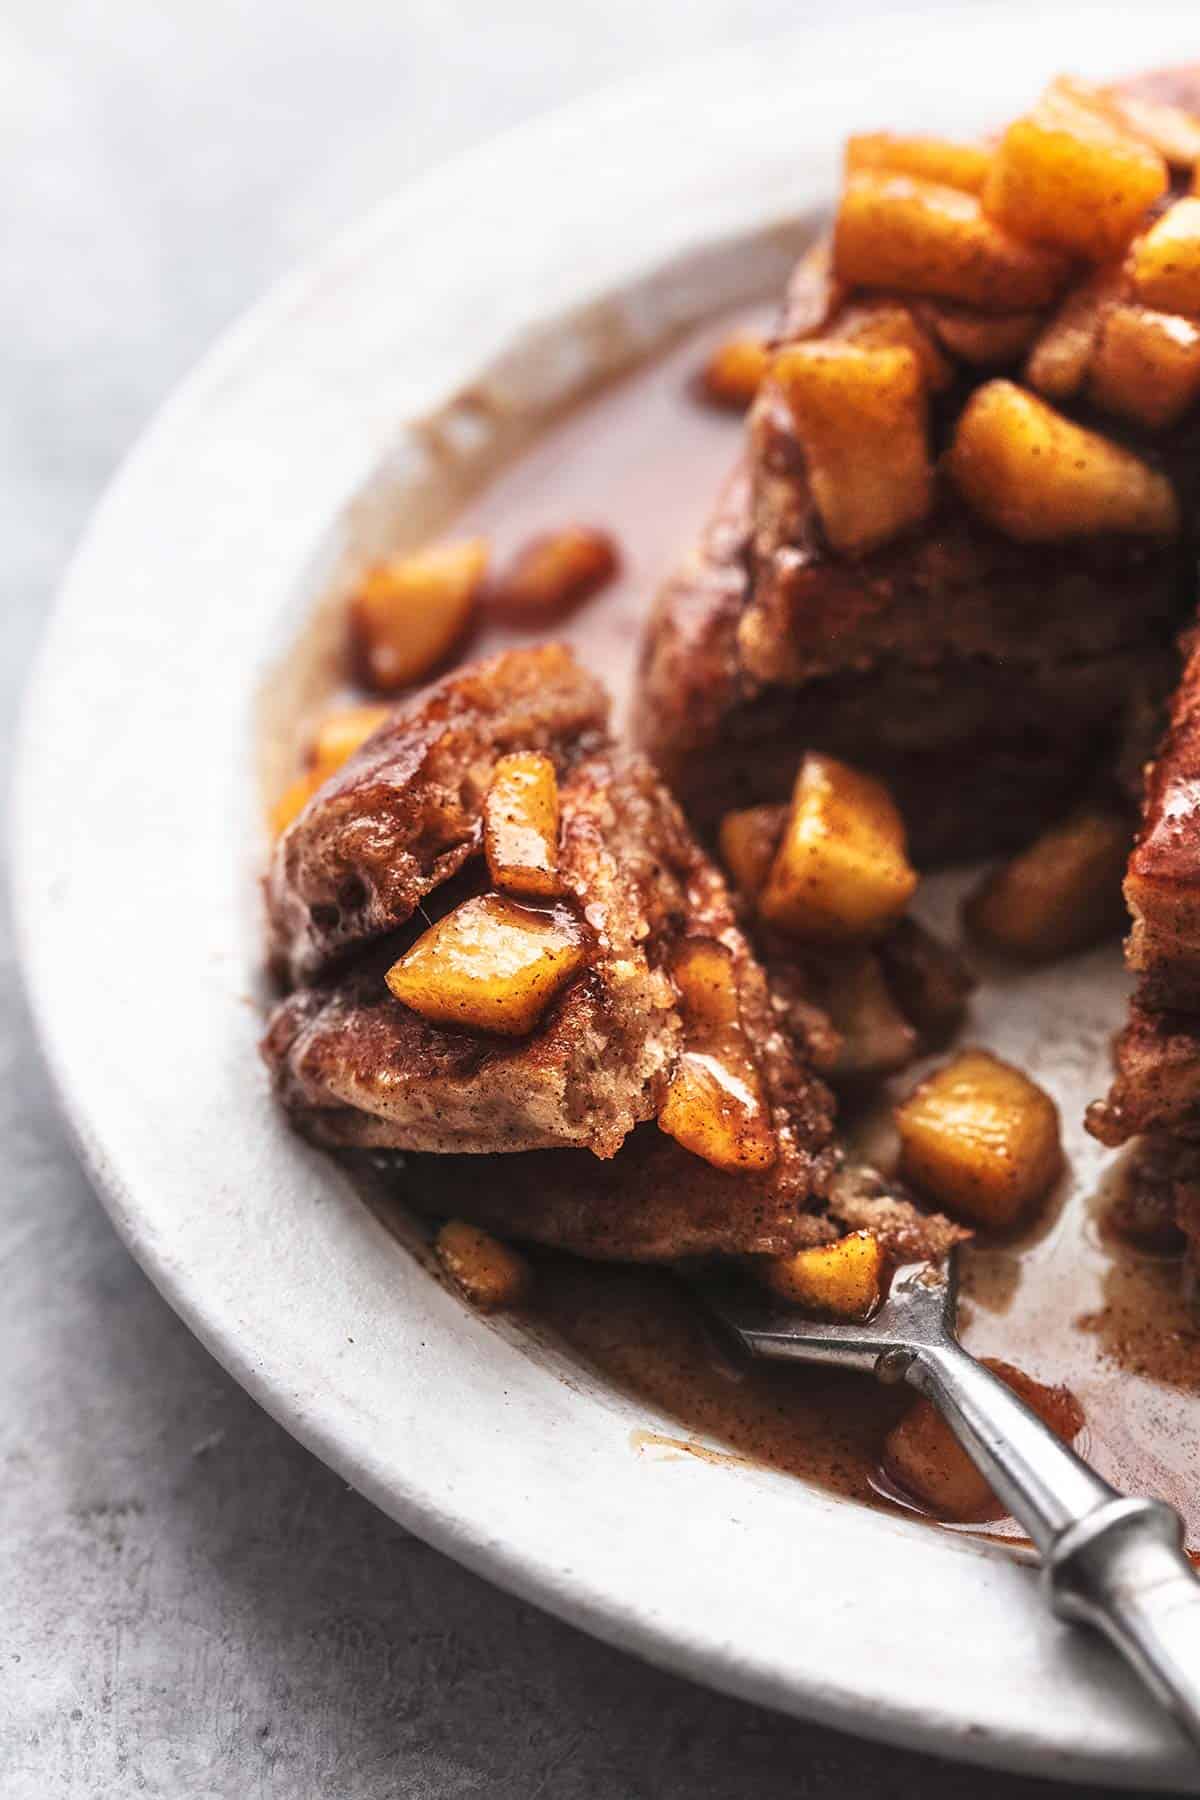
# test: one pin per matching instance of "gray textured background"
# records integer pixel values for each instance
(191, 1606)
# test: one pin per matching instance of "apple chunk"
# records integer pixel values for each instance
(980, 1138)
(748, 840)
(734, 372)
(408, 614)
(715, 1105)
(925, 238)
(841, 872)
(1062, 355)
(860, 416)
(343, 732)
(490, 965)
(954, 162)
(491, 1275)
(1069, 176)
(1146, 366)
(1039, 477)
(555, 571)
(520, 826)
(844, 1278)
(1165, 263)
(1061, 894)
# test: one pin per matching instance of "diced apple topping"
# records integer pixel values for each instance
(923, 1456)
(984, 340)
(1068, 175)
(520, 826)
(1164, 265)
(1038, 477)
(748, 841)
(1174, 133)
(841, 872)
(860, 416)
(814, 293)
(1147, 365)
(882, 324)
(715, 1105)
(343, 732)
(490, 965)
(896, 232)
(876, 1037)
(953, 162)
(1061, 894)
(408, 614)
(844, 1278)
(981, 1139)
(292, 802)
(1060, 359)
(555, 571)
(491, 1275)
(734, 372)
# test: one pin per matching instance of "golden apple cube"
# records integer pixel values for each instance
(490, 965)
(882, 324)
(1060, 358)
(343, 732)
(953, 162)
(715, 1105)
(844, 1278)
(1146, 366)
(1066, 176)
(409, 613)
(981, 1139)
(923, 1456)
(491, 1275)
(860, 416)
(734, 372)
(520, 826)
(982, 339)
(841, 872)
(292, 802)
(748, 840)
(1040, 478)
(555, 571)
(1174, 133)
(922, 237)
(1061, 894)
(1164, 265)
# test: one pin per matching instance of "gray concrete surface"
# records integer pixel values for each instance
(190, 1606)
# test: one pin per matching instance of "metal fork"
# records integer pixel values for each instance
(1108, 1560)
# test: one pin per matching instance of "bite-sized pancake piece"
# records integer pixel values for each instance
(354, 1066)
(405, 813)
(1157, 1085)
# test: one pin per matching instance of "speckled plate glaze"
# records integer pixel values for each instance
(485, 297)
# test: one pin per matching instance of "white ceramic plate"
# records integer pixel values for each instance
(517, 274)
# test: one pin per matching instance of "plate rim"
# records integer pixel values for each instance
(1150, 1755)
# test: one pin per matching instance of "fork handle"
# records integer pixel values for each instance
(1110, 1561)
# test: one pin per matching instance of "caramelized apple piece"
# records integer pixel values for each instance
(490, 1274)
(1174, 133)
(880, 324)
(923, 1456)
(556, 571)
(1165, 264)
(876, 1038)
(953, 162)
(734, 372)
(343, 732)
(860, 419)
(748, 841)
(895, 232)
(408, 614)
(841, 871)
(980, 1138)
(843, 1278)
(1147, 366)
(292, 802)
(1040, 478)
(490, 965)
(814, 293)
(931, 981)
(1061, 894)
(520, 826)
(715, 1104)
(982, 339)
(1069, 176)
(1060, 359)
